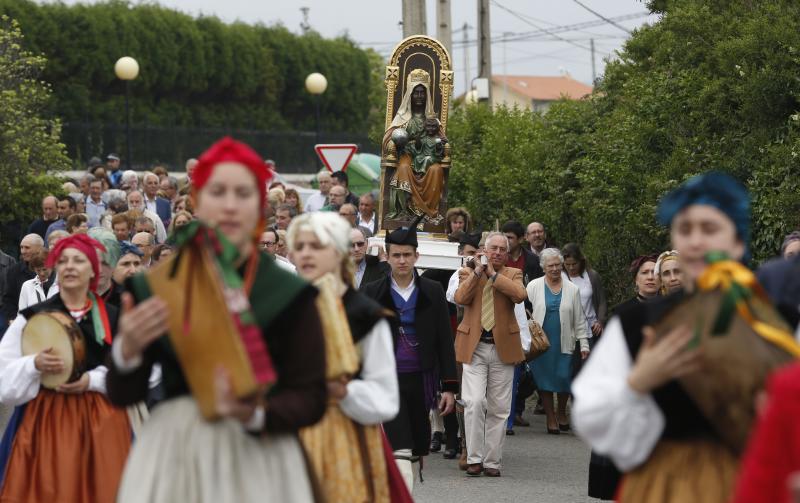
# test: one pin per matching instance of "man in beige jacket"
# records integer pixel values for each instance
(488, 344)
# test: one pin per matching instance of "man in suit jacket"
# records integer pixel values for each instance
(368, 268)
(423, 349)
(488, 345)
(157, 205)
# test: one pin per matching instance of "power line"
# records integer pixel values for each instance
(612, 23)
(567, 28)
(526, 21)
(529, 35)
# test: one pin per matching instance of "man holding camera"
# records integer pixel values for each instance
(488, 345)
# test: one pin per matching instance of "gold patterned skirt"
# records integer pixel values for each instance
(701, 471)
(348, 458)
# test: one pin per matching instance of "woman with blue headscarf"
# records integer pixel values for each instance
(628, 402)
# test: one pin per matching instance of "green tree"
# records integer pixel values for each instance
(30, 149)
(712, 85)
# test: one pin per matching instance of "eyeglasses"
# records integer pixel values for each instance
(266, 244)
(358, 244)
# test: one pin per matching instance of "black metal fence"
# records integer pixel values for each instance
(293, 152)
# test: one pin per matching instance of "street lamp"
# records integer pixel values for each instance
(126, 68)
(316, 83)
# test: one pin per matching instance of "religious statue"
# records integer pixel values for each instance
(415, 149)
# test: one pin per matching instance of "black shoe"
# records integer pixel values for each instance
(554, 431)
(510, 432)
(564, 427)
(436, 442)
(538, 410)
(450, 454)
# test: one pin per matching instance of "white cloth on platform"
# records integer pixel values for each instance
(486, 385)
(226, 463)
(374, 397)
(607, 413)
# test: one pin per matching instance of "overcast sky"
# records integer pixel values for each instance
(375, 23)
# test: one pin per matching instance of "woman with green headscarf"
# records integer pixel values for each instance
(107, 288)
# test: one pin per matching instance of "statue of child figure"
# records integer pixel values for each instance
(428, 149)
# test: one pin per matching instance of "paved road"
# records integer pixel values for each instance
(537, 468)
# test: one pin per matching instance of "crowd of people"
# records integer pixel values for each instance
(430, 361)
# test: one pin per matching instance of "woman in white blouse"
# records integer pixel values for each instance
(346, 447)
(557, 308)
(36, 290)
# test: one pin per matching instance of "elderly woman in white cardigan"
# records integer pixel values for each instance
(557, 308)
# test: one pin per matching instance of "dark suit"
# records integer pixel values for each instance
(411, 428)
(163, 210)
(374, 270)
(16, 275)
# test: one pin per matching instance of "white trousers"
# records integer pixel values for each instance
(486, 386)
(406, 467)
(437, 423)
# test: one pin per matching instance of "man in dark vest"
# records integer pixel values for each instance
(424, 350)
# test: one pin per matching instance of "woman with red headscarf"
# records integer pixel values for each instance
(252, 453)
(67, 443)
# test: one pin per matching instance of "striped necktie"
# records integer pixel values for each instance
(487, 307)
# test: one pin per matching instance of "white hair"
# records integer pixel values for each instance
(495, 234)
(329, 228)
(148, 175)
(129, 175)
(548, 253)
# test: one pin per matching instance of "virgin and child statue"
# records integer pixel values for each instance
(417, 141)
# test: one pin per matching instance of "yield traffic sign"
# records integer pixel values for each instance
(336, 156)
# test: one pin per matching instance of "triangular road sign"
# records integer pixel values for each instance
(336, 156)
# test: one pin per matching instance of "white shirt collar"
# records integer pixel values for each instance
(406, 292)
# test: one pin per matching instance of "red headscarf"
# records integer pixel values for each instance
(230, 150)
(83, 244)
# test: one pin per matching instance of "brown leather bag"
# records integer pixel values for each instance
(539, 341)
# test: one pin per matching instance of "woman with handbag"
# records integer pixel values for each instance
(557, 309)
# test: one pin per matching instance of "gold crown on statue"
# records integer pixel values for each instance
(419, 76)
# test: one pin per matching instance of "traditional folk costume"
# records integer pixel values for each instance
(62, 447)
(424, 354)
(180, 456)
(347, 447)
(604, 476)
(669, 450)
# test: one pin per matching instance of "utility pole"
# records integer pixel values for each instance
(505, 69)
(485, 45)
(465, 39)
(414, 18)
(594, 75)
(444, 30)
(304, 25)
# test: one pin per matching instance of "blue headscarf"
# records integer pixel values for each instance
(712, 189)
(126, 247)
